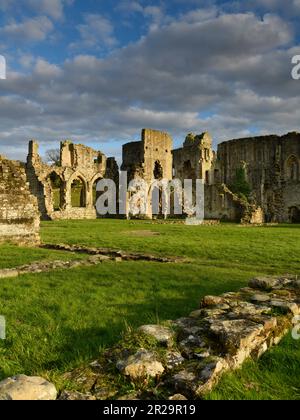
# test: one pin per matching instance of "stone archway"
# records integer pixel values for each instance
(294, 214)
(57, 190)
(78, 193)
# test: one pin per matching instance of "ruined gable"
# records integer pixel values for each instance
(149, 159)
(68, 190)
(142, 159)
(194, 159)
(19, 216)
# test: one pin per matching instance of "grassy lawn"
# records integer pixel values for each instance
(56, 321)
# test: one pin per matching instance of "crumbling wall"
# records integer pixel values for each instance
(19, 216)
(150, 160)
(157, 149)
(194, 160)
(77, 163)
(272, 166)
(140, 158)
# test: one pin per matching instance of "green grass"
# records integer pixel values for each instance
(56, 321)
(275, 376)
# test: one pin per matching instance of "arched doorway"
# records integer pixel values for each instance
(57, 191)
(156, 190)
(294, 214)
(78, 193)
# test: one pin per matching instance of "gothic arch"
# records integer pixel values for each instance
(78, 191)
(292, 168)
(57, 190)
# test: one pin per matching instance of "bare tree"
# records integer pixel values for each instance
(52, 156)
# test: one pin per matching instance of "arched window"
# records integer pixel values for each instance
(57, 191)
(188, 170)
(78, 193)
(293, 169)
(294, 213)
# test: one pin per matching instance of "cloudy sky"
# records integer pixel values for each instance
(97, 71)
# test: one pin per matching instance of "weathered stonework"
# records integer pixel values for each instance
(79, 164)
(150, 159)
(272, 169)
(271, 165)
(194, 160)
(19, 216)
(190, 355)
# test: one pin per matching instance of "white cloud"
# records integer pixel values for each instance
(52, 8)
(35, 29)
(96, 31)
(219, 72)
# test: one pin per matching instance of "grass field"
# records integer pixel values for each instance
(59, 320)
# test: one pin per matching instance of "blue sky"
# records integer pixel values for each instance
(98, 71)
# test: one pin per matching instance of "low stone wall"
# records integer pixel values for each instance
(97, 256)
(186, 358)
(123, 255)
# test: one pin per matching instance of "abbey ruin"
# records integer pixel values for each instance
(267, 167)
(251, 180)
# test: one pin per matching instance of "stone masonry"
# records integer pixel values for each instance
(19, 216)
(149, 159)
(78, 172)
(186, 358)
(270, 164)
(183, 359)
(272, 168)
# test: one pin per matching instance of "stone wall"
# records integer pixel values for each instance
(272, 169)
(272, 165)
(79, 164)
(186, 358)
(19, 216)
(194, 160)
(140, 158)
(150, 160)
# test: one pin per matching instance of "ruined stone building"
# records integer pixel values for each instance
(252, 180)
(270, 164)
(19, 215)
(272, 168)
(68, 190)
(149, 159)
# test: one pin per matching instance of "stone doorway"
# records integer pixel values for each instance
(78, 193)
(57, 188)
(294, 214)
